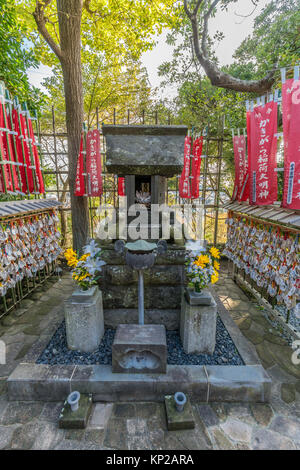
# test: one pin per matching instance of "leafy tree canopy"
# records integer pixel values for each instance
(17, 55)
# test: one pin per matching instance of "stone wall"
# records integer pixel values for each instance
(163, 285)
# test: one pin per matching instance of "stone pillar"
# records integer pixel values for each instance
(198, 327)
(84, 320)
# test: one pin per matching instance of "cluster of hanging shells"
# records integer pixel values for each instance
(27, 246)
(272, 260)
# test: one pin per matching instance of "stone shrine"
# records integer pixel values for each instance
(146, 156)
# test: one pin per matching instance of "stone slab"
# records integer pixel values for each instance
(139, 349)
(203, 384)
(76, 419)
(40, 382)
(198, 327)
(238, 384)
(179, 420)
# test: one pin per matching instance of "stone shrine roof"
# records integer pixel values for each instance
(144, 150)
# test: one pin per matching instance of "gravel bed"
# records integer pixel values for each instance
(225, 353)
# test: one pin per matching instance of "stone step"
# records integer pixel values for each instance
(39, 382)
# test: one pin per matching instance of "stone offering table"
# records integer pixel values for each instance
(140, 349)
(198, 323)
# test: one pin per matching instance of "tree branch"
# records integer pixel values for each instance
(205, 27)
(216, 76)
(41, 20)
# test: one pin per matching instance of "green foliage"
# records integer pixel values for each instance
(16, 56)
(276, 38)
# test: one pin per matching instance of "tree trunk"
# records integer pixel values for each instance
(69, 16)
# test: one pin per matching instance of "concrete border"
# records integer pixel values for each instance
(39, 382)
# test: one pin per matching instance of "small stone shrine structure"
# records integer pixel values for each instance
(146, 156)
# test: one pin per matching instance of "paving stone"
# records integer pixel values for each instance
(137, 434)
(207, 415)
(240, 412)
(221, 410)
(236, 304)
(264, 439)
(262, 413)
(288, 392)
(48, 437)
(74, 434)
(222, 441)
(6, 433)
(282, 355)
(184, 440)
(265, 356)
(68, 444)
(100, 415)
(237, 430)
(21, 412)
(145, 410)
(9, 320)
(124, 410)
(253, 336)
(25, 436)
(116, 434)
(51, 411)
(94, 436)
(275, 338)
(27, 303)
(244, 323)
(156, 438)
(289, 427)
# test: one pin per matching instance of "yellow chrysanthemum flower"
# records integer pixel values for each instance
(216, 265)
(214, 279)
(84, 257)
(70, 253)
(215, 252)
(73, 262)
(202, 260)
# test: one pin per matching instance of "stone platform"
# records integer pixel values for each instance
(248, 383)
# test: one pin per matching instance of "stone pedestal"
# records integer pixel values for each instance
(84, 320)
(198, 327)
(140, 349)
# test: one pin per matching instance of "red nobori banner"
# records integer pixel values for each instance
(121, 186)
(20, 151)
(196, 165)
(93, 164)
(184, 181)
(24, 138)
(241, 184)
(291, 135)
(39, 176)
(79, 182)
(8, 154)
(262, 160)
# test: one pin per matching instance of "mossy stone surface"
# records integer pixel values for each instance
(179, 420)
(76, 419)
